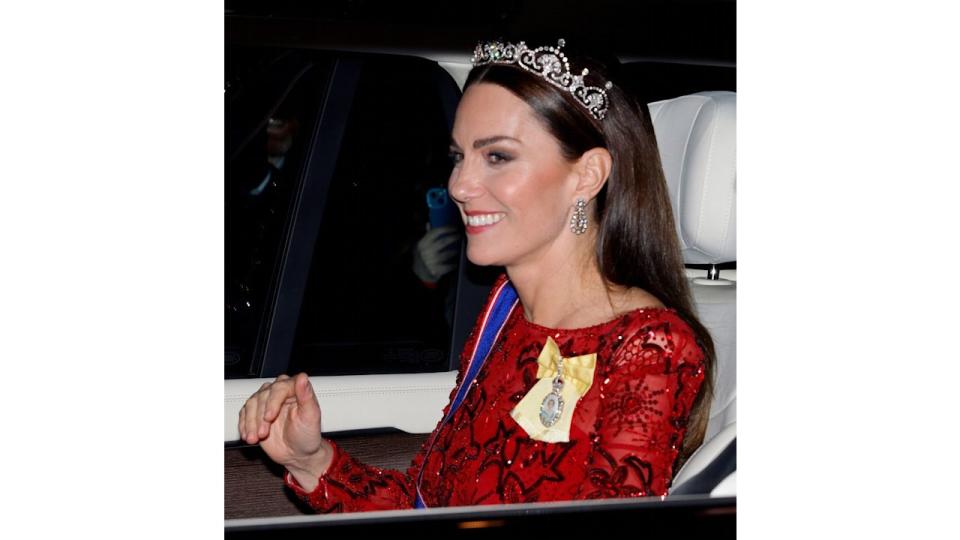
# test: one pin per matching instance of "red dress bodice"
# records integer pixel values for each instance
(625, 432)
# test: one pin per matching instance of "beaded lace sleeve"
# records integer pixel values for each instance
(646, 396)
(350, 485)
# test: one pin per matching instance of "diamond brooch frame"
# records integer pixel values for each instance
(549, 63)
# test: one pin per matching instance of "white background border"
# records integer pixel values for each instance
(112, 289)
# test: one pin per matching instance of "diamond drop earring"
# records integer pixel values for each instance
(578, 221)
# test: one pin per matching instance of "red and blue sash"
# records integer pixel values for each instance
(492, 322)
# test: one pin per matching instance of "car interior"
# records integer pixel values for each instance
(382, 418)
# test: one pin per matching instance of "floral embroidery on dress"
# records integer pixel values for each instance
(625, 431)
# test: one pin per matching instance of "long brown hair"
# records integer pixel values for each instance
(637, 244)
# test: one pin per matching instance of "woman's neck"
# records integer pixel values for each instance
(565, 291)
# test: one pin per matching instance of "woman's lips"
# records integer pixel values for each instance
(472, 229)
(477, 221)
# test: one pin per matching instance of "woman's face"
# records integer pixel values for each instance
(514, 189)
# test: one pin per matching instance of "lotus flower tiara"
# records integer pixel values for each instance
(552, 65)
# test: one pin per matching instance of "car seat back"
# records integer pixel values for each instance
(696, 135)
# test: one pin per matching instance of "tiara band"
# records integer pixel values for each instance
(550, 64)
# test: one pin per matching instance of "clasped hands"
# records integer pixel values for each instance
(284, 418)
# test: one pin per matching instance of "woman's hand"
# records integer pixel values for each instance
(284, 417)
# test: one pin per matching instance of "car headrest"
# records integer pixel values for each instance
(697, 138)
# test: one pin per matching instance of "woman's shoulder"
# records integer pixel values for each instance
(655, 320)
(635, 298)
(636, 308)
(659, 329)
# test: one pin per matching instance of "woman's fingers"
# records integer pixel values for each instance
(249, 420)
(253, 424)
(280, 392)
(306, 398)
(263, 407)
(263, 427)
(240, 426)
(254, 414)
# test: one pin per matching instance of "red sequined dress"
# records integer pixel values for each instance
(625, 434)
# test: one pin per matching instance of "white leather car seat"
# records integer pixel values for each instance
(696, 135)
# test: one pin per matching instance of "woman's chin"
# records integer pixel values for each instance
(482, 257)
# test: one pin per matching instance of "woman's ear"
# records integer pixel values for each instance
(592, 168)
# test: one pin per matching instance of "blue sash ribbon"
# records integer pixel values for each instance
(493, 319)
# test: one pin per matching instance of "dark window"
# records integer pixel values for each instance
(364, 310)
(272, 99)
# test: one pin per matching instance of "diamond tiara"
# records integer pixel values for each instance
(552, 65)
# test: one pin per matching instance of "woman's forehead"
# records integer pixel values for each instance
(489, 110)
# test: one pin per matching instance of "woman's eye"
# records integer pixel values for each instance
(497, 157)
(455, 157)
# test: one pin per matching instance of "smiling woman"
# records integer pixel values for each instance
(587, 374)
(513, 179)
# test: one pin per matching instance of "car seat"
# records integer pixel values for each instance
(696, 135)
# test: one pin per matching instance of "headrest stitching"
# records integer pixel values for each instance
(706, 179)
(683, 167)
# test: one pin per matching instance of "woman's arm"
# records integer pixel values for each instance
(348, 485)
(306, 474)
(646, 399)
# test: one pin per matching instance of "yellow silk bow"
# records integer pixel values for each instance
(577, 377)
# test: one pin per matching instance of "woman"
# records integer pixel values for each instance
(588, 374)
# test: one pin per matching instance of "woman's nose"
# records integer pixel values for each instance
(464, 186)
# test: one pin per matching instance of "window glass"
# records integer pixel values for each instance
(272, 98)
(364, 308)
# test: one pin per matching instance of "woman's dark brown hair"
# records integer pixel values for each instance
(637, 244)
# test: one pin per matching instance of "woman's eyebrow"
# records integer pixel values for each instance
(480, 143)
